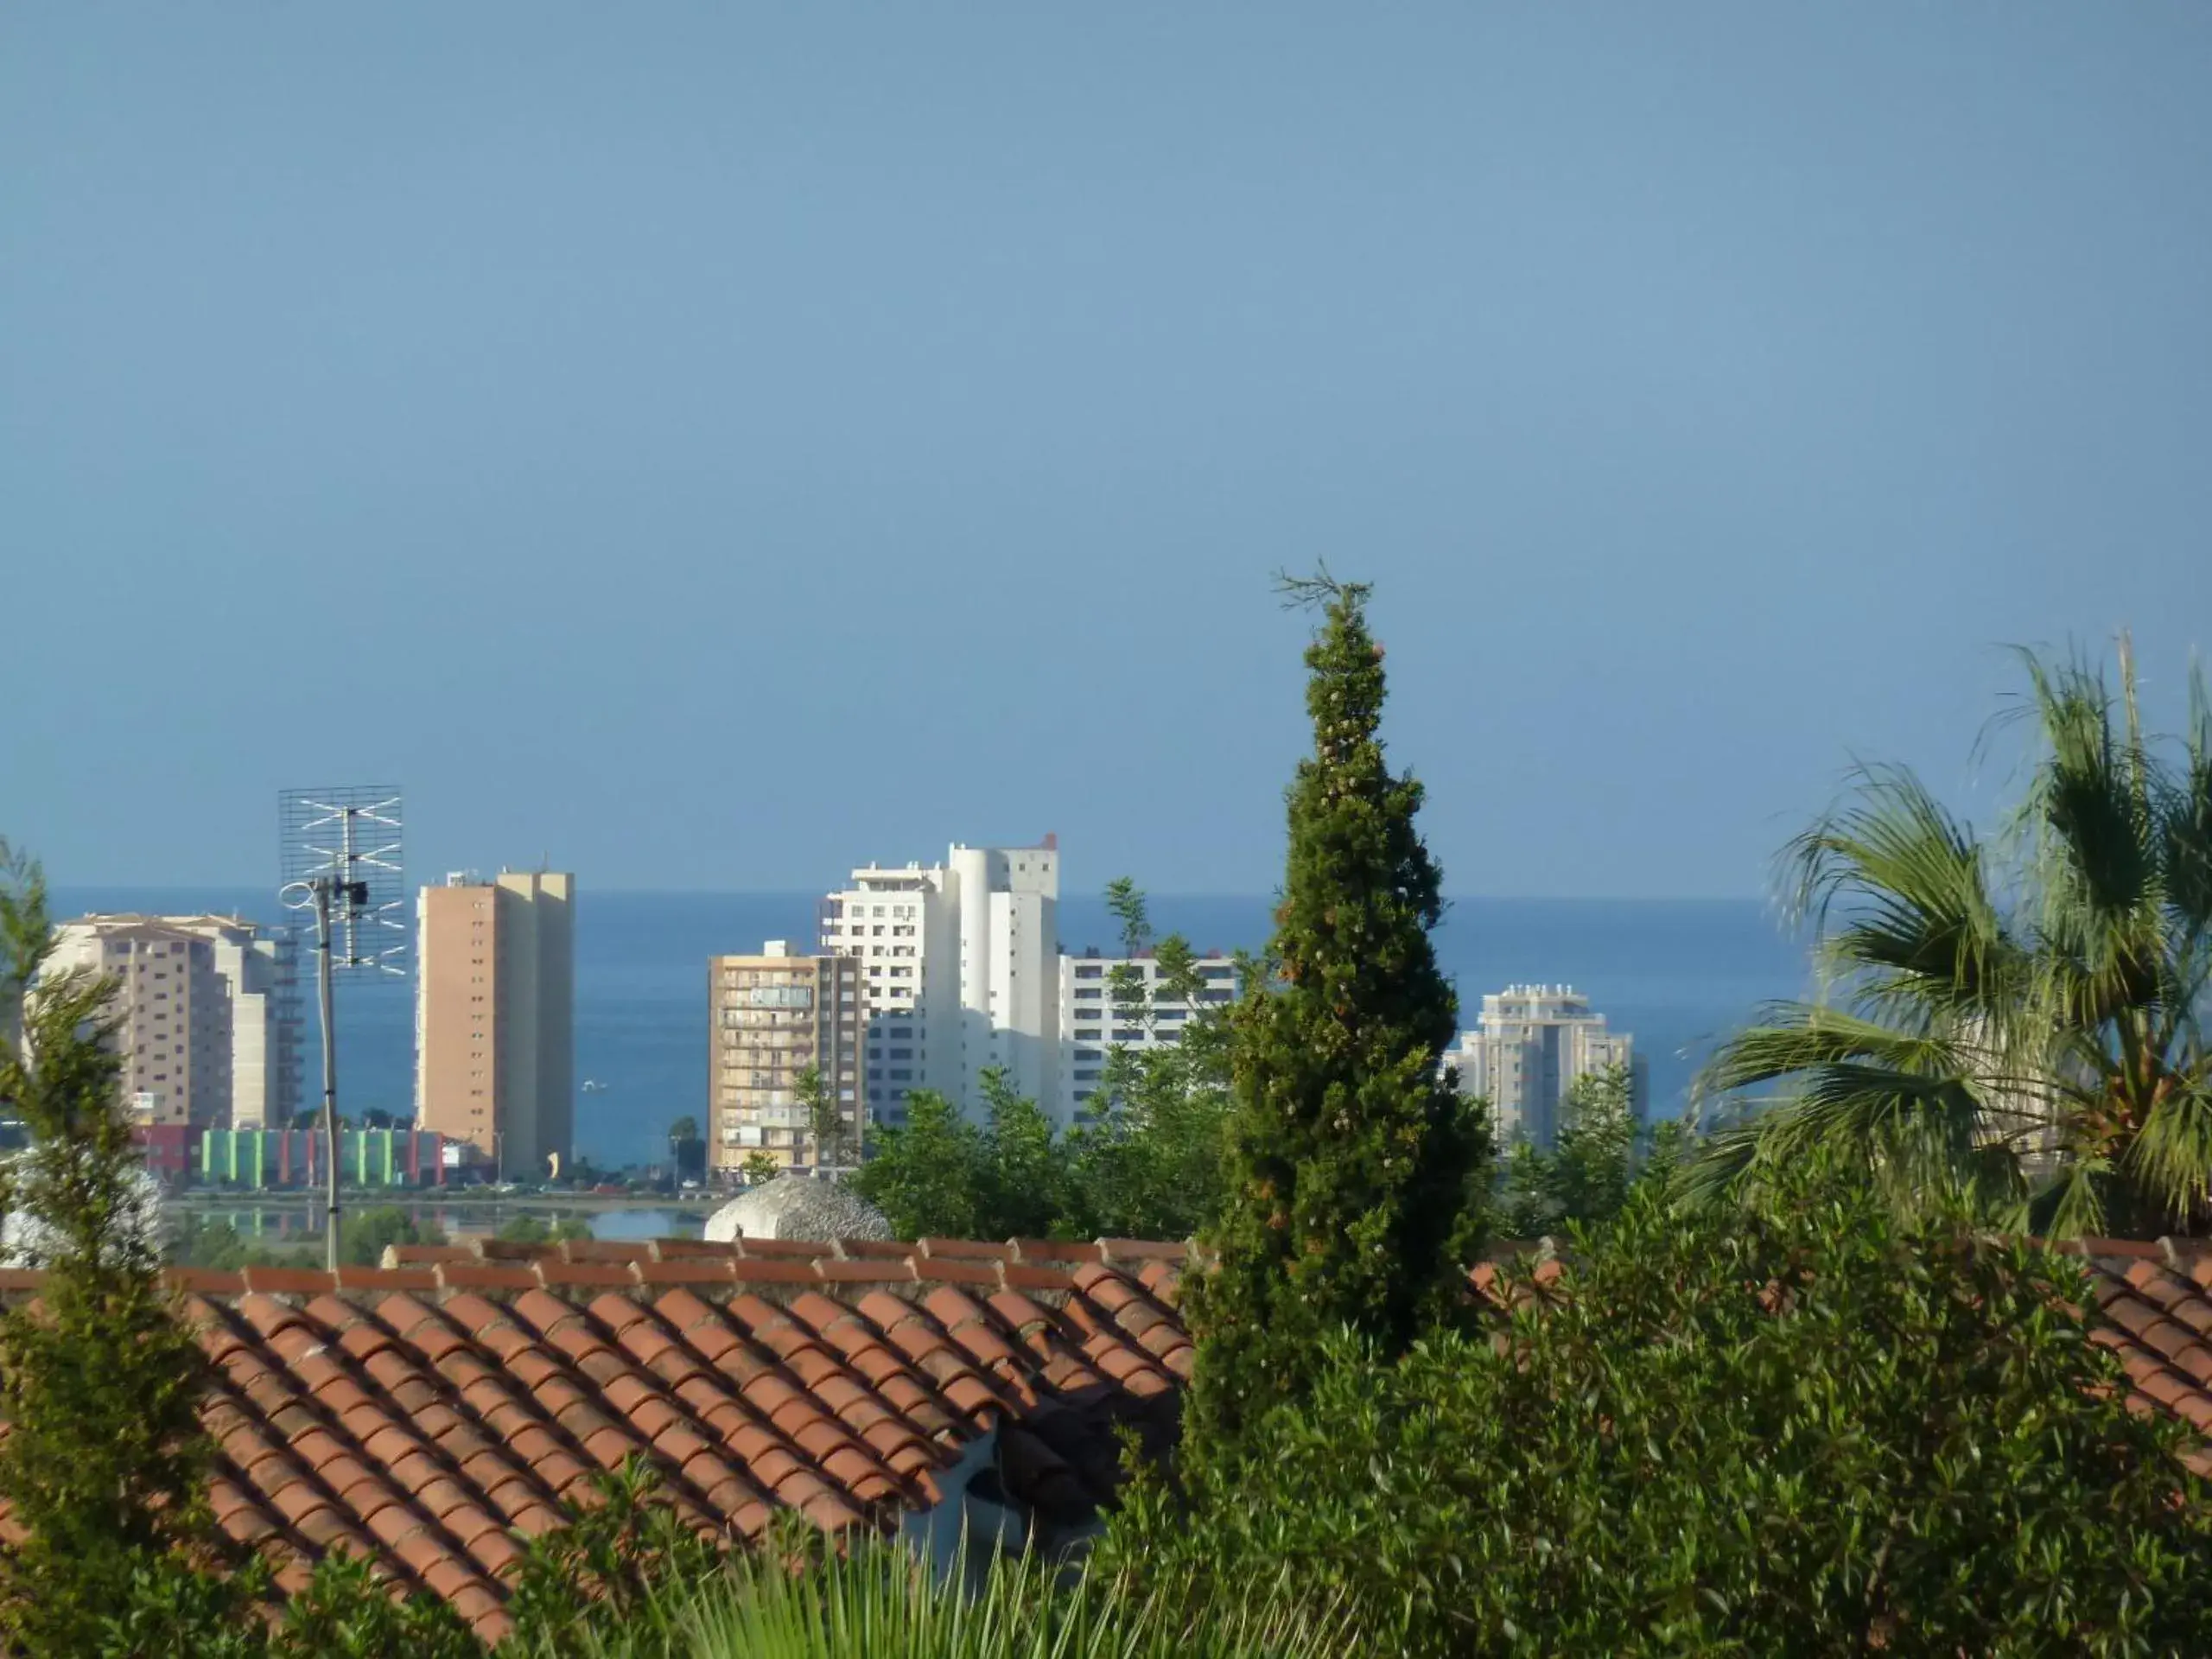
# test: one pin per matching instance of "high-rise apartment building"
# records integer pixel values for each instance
(495, 1017)
(1090, 1026)
(1533, 1043)
(959, 972)
(772, 1017)
(210, 1029)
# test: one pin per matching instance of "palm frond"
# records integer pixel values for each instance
(2070, 1204)
(2169, 1160)
(2184, 813)
(1726, 1163)
(1896, 888)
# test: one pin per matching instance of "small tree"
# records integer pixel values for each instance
(927, 1177)
(1146, 1155)
(1354, 1170)
(363, 1235)
(1025, 1187)
(1586, 1178)
(1129, 1002)
(760, 1168)
(825, 1118)
(105, 1459)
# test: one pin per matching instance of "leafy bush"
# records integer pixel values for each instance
(943, 1176)
(609, 1570)
(535, 1230)
(363, 1235)
(1805, 1431)
(1586, 1176)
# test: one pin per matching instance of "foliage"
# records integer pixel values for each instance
(1355, 1176)
(104, 1456)
(609, 1569)
(1144, 1158)
(363, 1235)
(1586, 1177)
(347, 1611)
(943, 1176)
(1808, 1430)
(2018, 1020)
(875, 1599)
(535, 1230)
(825, 1120)
(759, 1167)
(926, 1174)
(1147, 1155)
(213, 1242)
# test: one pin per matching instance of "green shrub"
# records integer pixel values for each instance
(363, 1235)
(1807, 1431)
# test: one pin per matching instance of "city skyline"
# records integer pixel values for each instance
(1711, 395)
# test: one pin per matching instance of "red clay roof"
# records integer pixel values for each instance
(426, 1412)
(2155, 1304)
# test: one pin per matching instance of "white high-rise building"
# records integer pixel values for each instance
(209, 1030)
(959, 972)
(1089, 1028)
(1533, 1041)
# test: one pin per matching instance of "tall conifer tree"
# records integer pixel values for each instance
(1353, 1170)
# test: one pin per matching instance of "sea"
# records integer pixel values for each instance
(1678, 974)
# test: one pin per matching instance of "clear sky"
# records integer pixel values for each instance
(714, 444)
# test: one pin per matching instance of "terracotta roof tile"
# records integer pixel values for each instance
(963, 1250)
(1024, 1276)
(428, 1413)
(1047, 1252)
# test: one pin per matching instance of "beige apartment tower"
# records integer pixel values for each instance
(771, 1017)
(495, 1018)
(206, 1028)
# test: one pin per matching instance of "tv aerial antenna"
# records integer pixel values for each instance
(342, 860)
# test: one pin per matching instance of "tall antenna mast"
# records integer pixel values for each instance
(342, 860)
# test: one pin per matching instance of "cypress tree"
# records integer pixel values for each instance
(1354, 1172)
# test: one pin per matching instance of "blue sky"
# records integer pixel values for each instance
(713, 445)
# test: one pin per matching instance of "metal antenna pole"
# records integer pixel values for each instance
(355, 891)
(322, 887)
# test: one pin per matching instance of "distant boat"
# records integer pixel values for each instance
(592, 1085)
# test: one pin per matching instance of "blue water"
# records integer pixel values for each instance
(1678, 974)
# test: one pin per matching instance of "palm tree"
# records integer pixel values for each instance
(2016, 1024)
